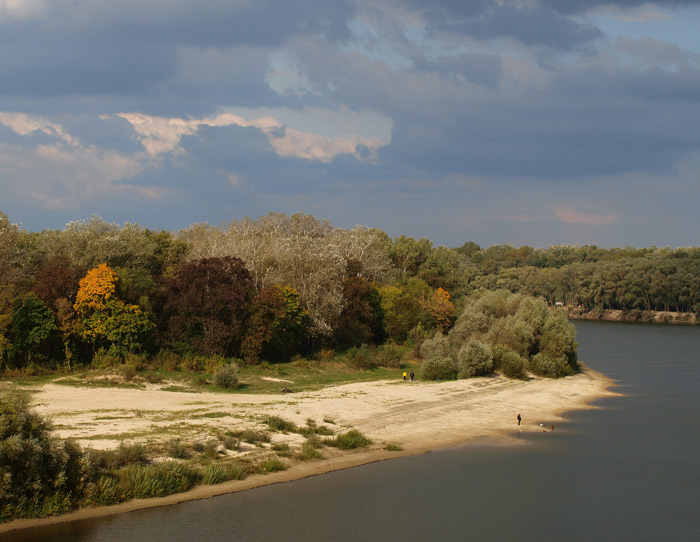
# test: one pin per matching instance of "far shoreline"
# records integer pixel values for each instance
(458, 417)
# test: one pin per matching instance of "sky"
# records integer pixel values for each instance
(527, 122)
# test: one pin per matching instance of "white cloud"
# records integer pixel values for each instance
(160, 135)
(59, 174)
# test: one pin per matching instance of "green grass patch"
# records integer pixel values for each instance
(271, 464)
(349, 441)
(392, 447)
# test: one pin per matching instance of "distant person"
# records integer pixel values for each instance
(519, 419)
(551, 427)
(413, 376)
(404, 376)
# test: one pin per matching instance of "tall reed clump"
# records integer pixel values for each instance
(217, 473)
(158, 480)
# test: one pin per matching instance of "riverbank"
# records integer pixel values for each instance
(651, 317)
(415, 416)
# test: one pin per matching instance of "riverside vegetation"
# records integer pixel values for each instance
(217, 307)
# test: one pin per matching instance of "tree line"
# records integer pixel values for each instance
(279, 286)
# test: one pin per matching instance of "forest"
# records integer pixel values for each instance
(95, 293)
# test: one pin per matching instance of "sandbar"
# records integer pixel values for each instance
(419, 417)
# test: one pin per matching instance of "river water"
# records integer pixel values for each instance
(628, 470)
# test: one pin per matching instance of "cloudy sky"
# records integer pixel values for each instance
(533, 122)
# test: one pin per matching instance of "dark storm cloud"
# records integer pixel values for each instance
(572, 7)
(104, 51)
(531, 25)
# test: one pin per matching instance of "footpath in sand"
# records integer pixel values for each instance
(418, 416)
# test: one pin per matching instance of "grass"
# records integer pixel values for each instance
(392, 447)
(275, 423)
(349, 441)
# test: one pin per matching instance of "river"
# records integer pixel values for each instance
(627, 470)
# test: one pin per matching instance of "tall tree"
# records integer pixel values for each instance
(206, 305)
(104, 319)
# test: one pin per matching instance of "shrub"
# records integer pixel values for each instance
(309, 451)
(128, 454)
(545, 365)
(349, 441)
(213, 363)
(104, 359)
(437, 347)
(226, 376)
(389, 355)
(177, 450)
(513, 366)
(442, 368)
(158, 480)
(167, 359)
(391, 447)
(272, 464)
(192, 364)
(39, 474)
(474, 359)
(218, 473)
(280, 424)
(361, 357)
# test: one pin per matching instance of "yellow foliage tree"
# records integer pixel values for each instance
(104, 318)
(441, 309)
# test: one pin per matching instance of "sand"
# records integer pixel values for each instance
(417, 416)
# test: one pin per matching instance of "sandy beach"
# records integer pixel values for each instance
(417, 416)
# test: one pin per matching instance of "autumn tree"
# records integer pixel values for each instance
(361, 321)
(106, 321)
(276, 326)
(441, 308)
(206, 305)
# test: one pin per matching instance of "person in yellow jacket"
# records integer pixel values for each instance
(404, 376)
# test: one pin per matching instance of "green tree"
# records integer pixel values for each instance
(32, 325)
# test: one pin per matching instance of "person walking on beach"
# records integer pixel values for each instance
(413, 376)
(404, 376)
(519, 419)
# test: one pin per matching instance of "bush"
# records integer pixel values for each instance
(442, 368)
(309, 451)
(226, 376)
(513, 366)
(104, 359)
(437, 347)
(389, 355)
(271, 464)
(39, 474)
(177, 450)
(361, 357)
(547, 366)
(474, 359)
(128, 454)
(349, 441)
(193, 364)
(280, 424)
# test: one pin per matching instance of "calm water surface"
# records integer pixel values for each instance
(629, 470)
